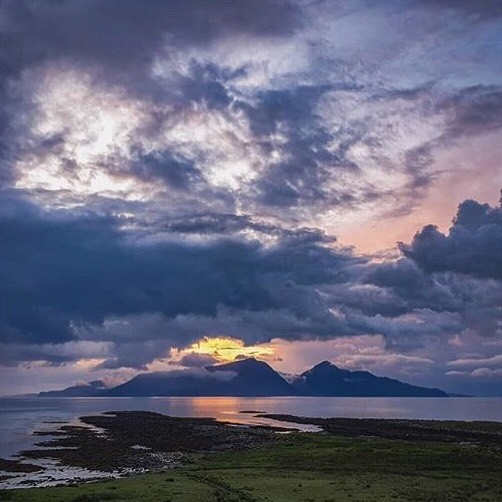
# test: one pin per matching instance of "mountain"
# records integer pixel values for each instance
(254, 378)
(326, 379)
(91, 389)
(249, 377)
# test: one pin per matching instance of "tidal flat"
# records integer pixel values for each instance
(201, 460)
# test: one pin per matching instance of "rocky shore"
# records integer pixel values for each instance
(483, 433)
(125, 442)
(117, 444)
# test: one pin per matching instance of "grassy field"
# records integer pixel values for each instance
(309, 467)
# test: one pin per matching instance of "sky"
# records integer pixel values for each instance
(191, 182)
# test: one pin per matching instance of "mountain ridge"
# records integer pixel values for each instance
(250, 377)
(327, 379)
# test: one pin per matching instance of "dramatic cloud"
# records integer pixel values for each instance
(92, 279)
(128, 37)
(86, 270)
(174, 172)
(473, 245)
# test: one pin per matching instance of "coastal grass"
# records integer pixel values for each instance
(308, 467)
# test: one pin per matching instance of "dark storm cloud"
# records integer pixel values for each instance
(126, 34)
(225, 224)
(301, 179)
(473, 245)
(84, 270)
(404, 287)
(450, 282)
(206, 83)
(473, 110)
(413, 287)
(477, 11)
(54, 354)
(118, 41)
(177, 172)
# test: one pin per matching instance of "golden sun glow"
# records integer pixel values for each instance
(226, 349)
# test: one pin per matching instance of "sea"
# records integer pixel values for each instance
(21, 416)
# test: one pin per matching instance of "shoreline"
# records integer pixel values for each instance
(119, 444)
(366, 460)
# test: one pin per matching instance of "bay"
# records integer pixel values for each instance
(21, 416)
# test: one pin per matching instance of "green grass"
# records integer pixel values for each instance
(169, 486)
(309, 467)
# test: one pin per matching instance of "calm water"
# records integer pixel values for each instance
(19, 417)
